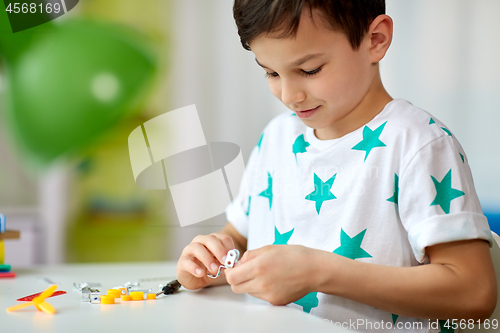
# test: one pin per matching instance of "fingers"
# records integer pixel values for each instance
(251, 254)
(220, 252)
(253, 263)
(201, 258)
(192, 266)
(206, 253)
(243, 272)
(227, 242)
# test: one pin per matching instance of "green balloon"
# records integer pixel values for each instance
(73, 83)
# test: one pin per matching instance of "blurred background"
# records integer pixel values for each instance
(81, 204)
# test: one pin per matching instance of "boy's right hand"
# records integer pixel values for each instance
(202, 256)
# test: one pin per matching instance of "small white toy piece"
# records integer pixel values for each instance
(95, 297)
(231, 259)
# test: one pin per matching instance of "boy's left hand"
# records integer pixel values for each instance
(278, 274)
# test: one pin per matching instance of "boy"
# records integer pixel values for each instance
(373, 196)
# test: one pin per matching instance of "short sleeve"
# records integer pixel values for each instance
(437, 199)
(238, 210)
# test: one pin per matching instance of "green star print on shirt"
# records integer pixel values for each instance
(445, 193)
(260, 141)
(321, 191)
(351, 247)
(370, 139)
(268, 193)
(447, 131)
(281, 239)
(310, 300)
(394, 197)
(299, 146)
(248, 209)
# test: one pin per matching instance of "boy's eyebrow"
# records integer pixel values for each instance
(297, 62)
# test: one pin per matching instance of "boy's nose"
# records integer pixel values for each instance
(291, 93)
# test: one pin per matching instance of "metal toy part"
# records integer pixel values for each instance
(89, 294)
(231, 259)
(79, 286)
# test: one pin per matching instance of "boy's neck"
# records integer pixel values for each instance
(370, 106)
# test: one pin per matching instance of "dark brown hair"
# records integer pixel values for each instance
(351, 17)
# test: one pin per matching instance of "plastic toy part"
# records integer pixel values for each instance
(137, 295)
(150, 296)
(115, 293)
(4, 268)
(126, 298)
(95, 297)
(31, 297)
(123, 290)
(106, 299)
(3, 223)
(2, 252)
(7, 275)
(38, 302)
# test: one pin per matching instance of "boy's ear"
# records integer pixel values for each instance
(380, 37)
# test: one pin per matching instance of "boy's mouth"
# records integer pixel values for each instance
(306, 113)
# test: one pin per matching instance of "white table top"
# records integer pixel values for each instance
(215, 309)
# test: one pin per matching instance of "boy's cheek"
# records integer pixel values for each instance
(275, 90)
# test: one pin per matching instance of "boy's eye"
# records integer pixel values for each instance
(273, 74)
(315, 71)
(306, 73)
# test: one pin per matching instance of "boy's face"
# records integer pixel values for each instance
(318, 75)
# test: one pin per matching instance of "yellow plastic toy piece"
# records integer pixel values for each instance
(126, 298)
(150, 296)
(2, 252)
(137, 295)
(107, 299)
(39, 302)
(115, 293)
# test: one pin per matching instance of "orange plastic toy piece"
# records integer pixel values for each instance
(150, 296)
(123, 291)
(38, 302)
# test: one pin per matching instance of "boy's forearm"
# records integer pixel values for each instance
(434, 291)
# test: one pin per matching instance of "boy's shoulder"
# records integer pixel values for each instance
(411, 124)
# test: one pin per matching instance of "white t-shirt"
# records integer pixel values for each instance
(379, 194)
